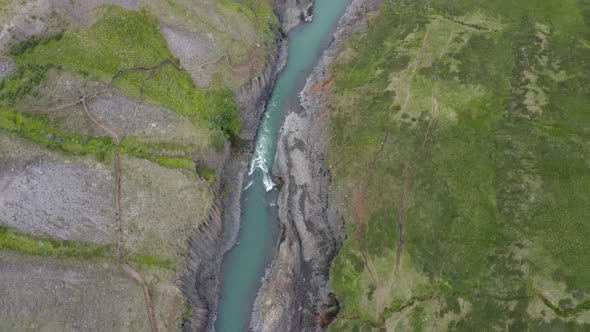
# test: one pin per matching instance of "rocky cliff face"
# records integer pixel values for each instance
(200, 282)
(251, 96)
(296, 294)
(67, 197)
(293, 12)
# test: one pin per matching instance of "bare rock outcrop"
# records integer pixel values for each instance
(296, 295)
(49, 294)
(293, 12)
(42, 194)
(207, 246)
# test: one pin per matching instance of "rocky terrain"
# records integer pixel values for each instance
(432, 178)
(296, 295)
(201, 281)
(97, 160)
(293, 12)
(48, 294)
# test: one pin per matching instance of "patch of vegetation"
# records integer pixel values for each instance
(165, 154)
(34, 128)
(11, 239)
(567, 312)
(153, 261)
(258, 11)
(22, 82)
(206, 172)
(174, 162)
(124, 39)
(218, 141)
(32, 42)
(500, 190)
(14, 240)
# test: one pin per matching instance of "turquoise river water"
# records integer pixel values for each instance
(244, 264)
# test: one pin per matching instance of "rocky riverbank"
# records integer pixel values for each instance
(201, 280)
(295, 295)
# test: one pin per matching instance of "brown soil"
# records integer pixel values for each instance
(250, 67)
(243, 70)
(323, 86)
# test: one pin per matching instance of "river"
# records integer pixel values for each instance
(244, 264)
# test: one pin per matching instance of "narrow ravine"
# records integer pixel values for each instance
(244, 265)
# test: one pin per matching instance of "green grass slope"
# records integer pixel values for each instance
(120, 40)
(486, 163)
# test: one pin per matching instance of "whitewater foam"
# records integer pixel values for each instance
(249, 185)
(268, 184)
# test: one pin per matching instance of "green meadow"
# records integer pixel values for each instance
(495, 213)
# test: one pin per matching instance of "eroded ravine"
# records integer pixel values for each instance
(244, 265)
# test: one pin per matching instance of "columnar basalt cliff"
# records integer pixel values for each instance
(201, 280)
(251, 96)
(296, 296)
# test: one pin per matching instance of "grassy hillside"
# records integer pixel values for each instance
(124, 52)
(120, 40)
(469, 122)
(160, 79)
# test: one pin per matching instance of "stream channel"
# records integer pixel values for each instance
(244, 264)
